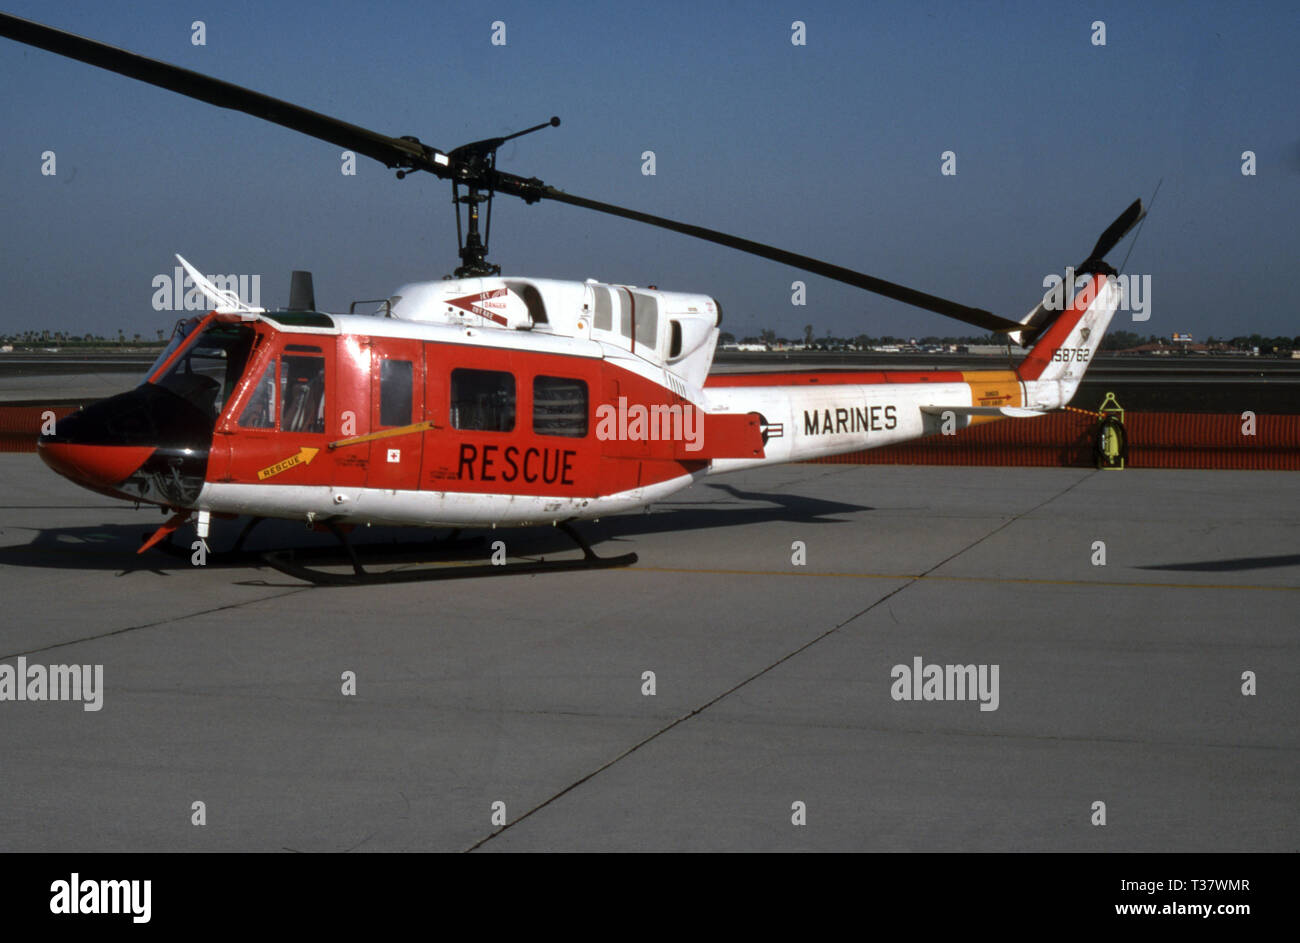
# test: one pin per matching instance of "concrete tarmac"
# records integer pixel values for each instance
(1118, 684)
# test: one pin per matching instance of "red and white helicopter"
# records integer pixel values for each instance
(482, 400)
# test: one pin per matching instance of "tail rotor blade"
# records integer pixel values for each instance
(1116, 231)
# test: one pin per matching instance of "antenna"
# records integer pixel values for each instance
(1132, 245)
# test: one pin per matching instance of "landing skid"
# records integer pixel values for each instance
(400, 552)
(284, 562)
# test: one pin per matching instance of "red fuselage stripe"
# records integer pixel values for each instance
(1032, 367)
(826, 378)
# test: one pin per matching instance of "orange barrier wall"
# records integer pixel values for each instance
(1155, 440)
(20, 425)
(1212, 440)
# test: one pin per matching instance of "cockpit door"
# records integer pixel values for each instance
(397, 409)
(277, 429)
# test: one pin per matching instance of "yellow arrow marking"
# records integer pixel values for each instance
(304, 457)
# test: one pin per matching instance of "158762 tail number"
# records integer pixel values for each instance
(1071, 354)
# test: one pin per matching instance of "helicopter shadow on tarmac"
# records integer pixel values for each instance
(112, 547)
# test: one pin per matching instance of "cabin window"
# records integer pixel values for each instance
(260, 411)
(396, 383)
(302, 390)
(604, 319)
(560, 406)
(483, 399)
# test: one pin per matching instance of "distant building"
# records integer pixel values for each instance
(1161, 349)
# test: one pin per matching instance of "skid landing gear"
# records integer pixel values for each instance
(237, 555)
(284, 562)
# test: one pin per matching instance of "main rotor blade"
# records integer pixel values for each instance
(976, 316)
(394, 152)
(463, 166)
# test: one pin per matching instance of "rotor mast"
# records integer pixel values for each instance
(477, 162)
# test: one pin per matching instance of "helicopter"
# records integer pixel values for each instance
(486, 400)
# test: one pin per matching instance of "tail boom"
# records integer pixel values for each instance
(815, 415)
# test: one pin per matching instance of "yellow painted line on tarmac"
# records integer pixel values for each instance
(961, 579)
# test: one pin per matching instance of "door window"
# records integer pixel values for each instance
(396, 384)
(299, 394)
(260, 411)
(302, 389)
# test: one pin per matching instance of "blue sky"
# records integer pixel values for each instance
(831, 149)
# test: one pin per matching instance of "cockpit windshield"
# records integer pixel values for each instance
(209, 365)
(184, 328)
